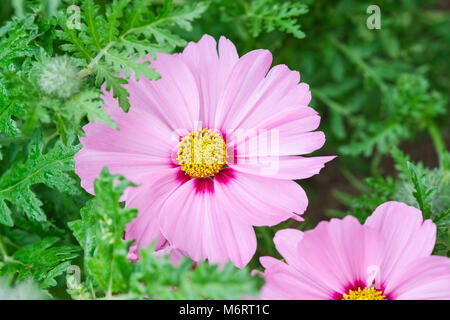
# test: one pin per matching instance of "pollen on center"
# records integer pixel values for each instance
(202, 153)
(364, 294)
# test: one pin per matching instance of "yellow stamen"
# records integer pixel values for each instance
(202, 153)
(364, 294)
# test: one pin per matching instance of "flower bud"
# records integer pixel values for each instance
(59, 77)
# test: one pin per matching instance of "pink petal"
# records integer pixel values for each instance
(211, 73)
(302, 143)
(135, 135)
(148, 199)
(228, 58)
(299, 96)
(174, 98)
(285, 283)
(282, 133)
(260, 201)
(300, 118)
(286, 241)
(202, 60)
(247, 73)
(274, 142)
(268, 262)
(424, 279)
(265, 99)
(337, 254)
(193, 222)
(286, 167)
(135, 167)
(406, 235)
(135, 150)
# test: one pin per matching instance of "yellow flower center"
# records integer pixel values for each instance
(364, 294)
(202, 153)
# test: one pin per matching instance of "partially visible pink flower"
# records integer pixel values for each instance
(206, 97)
(389, 257)
(174, 255)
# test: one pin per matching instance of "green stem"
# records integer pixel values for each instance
(375, 164)
(343, 197)
(48, 138)
(3, 249)
(93, 63)
(438, 142)
(360, 63)
(92, 291)
(330, 103)
(354, 181)
(6, 257)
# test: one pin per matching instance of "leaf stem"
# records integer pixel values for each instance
(6, 257)
(330, 103)
(374, 164)
(102, 52)
(3, 249)
(93, 63)
(47, 139)
(438, 142)
(354, 181)
(360, 63)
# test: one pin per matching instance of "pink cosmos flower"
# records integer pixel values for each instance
(389, 257)
(196, 143)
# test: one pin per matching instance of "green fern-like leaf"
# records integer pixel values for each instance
(163, 280)
(106, 75)
(70, 114)
(272, 15)
(442, 220)
(49, 168)
(112, 42)
(100, 230)
(422, 194)
(16, 38)
(43, 261)
(7, 110)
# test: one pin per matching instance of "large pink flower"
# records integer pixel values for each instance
(389, 257)
(212, 146)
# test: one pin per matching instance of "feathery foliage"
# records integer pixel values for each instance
(111, 43)
(49, 168)
(109, 273)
